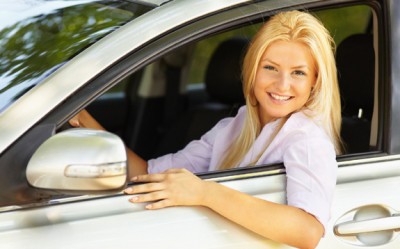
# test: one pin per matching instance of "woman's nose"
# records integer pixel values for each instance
(283, 82)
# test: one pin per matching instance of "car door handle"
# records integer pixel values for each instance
(366, 226)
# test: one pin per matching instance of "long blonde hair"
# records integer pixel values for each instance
(324, 100)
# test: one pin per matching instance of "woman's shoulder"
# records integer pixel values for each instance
(304, 124)
(303, 119)
(304, 131)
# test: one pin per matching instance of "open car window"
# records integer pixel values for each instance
(165, 105)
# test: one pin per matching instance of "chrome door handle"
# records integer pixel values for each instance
(366, 226)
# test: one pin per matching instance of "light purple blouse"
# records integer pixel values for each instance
(301, 144)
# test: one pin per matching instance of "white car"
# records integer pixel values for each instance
(157, 74)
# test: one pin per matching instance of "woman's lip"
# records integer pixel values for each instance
(278, 97)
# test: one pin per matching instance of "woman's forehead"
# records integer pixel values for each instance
(289, 53)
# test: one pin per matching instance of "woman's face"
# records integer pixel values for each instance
(285, 75)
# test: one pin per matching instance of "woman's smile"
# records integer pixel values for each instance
(279, 98)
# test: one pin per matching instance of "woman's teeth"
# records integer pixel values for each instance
(278, 97)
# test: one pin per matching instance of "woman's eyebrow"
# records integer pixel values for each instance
(301, 66)
(270, 61)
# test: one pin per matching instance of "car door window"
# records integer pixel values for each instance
(167, 126)
(353, 34)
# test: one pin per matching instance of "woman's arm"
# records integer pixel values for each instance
(281, 223)
(136, 165)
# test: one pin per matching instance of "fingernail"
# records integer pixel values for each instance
(134, 178)
(128, 190)
(149, 206)
(133, 199)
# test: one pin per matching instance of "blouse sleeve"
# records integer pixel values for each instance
(311, 171)
(195, 157)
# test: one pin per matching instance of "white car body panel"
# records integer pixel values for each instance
(110, 222)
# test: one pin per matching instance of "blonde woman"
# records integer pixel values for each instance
(292, 115)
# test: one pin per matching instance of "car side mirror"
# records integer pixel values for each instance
(79, 161)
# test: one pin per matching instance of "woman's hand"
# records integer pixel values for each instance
(174, 187)
(85, 120)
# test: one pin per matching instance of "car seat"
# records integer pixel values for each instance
(355, 60)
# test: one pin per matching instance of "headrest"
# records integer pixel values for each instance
(355, 60)
(223, 76)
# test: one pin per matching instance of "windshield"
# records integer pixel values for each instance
(38, 36)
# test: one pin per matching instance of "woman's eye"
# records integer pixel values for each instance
(268, 67)
(299, 73)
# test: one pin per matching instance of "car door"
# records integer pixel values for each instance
(363, 170)
(364, 211)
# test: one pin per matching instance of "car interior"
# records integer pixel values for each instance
(162, 107)
(356, 66)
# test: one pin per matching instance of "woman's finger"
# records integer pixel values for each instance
(153, 196)
(144, 188)
(159, 204)
(148, 178)
(74, 122)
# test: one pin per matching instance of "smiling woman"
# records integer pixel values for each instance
(284, 120)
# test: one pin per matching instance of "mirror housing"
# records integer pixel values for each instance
(79, 160)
